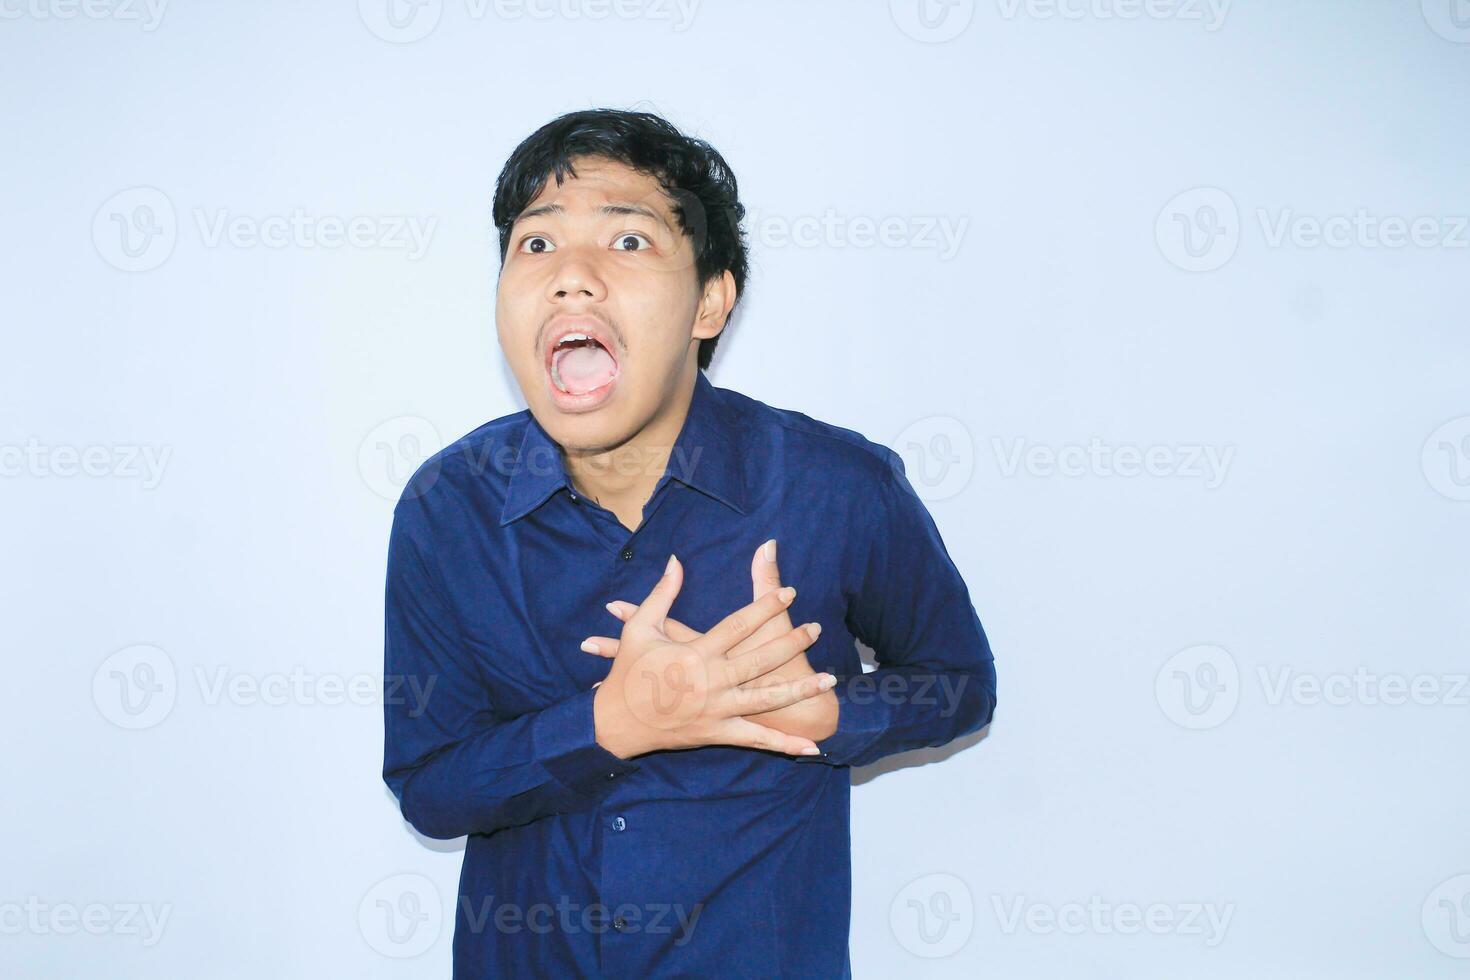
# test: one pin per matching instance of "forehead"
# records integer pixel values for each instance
(599, 183)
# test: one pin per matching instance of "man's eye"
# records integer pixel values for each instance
(631, 236)
(546, 245)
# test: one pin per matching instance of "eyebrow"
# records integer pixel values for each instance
(612, 209)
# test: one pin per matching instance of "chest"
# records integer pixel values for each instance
(531, 593)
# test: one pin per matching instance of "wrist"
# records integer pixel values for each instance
(822, 723)
(614, 728)
(815, 718)
(829, 712)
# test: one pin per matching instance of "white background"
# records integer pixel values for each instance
(1145, 759)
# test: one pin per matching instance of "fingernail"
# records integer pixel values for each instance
(590, 647)
(787, 594)
(827, 682)
(611, 607)
(811, 750)
(670, 566)
(814, 630)
(770, 550)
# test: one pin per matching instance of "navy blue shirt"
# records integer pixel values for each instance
(711, 862)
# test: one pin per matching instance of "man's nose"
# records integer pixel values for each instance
(577, 273)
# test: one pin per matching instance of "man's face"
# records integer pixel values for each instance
(602, 255)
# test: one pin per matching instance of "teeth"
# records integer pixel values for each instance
(573, 337)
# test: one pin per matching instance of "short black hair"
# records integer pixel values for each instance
(701, 187)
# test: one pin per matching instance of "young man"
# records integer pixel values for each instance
(647, 752)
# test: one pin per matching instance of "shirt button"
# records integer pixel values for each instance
(620, 923)
(612, 775)
(619, 823)
(626, 554)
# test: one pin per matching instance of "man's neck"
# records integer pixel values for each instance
(623, 478)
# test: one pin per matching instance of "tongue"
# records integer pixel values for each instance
(582, 369)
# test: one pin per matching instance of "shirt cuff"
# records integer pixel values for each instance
(859, 722)
(565, 740)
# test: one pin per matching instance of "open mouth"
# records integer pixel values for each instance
(580, 364)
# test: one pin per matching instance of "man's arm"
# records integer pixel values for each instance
(455, 766)
(936, 675)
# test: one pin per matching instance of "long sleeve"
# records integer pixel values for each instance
(455, 766)
(936, 675)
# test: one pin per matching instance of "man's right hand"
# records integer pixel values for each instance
(814, 718)
(661, 694)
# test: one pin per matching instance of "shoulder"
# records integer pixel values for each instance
(800, 445)
(477, 464)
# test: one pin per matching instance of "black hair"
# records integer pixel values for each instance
(700, 185)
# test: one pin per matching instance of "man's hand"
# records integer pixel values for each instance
(813, 718)
(665, 694)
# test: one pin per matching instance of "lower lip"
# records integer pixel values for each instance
(586, 402)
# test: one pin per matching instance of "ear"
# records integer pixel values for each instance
(714, 308)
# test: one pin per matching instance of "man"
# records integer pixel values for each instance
(648, 757)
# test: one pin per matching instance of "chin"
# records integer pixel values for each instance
(591, 432)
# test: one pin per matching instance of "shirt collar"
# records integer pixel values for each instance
(706, 456)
